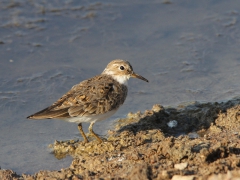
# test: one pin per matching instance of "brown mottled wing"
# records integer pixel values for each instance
(94, 96)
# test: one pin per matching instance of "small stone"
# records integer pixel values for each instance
(178, 177)
(172, 123)
(181, 166)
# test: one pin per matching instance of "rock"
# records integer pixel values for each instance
(178, 177)
(181, 166)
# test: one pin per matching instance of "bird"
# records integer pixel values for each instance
(94, 99)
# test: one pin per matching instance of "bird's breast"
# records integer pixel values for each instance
(91, 118)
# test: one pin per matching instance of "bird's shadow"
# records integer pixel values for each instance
(194, 117)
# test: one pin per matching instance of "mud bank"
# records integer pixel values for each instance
(191, 141)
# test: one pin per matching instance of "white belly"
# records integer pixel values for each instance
(93, 118)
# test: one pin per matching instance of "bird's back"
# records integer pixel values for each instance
(94, 96)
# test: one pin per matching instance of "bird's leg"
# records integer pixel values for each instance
(82, 133)
(93, 133)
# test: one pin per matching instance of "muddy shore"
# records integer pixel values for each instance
(191, 141)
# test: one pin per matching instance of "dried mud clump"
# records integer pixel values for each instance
(191, 141)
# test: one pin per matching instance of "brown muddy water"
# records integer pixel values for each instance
(188, 50)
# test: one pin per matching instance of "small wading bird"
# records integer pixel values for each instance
(94, 99)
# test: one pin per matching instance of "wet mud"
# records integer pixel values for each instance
(191, 141)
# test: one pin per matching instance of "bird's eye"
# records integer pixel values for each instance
(121, 67)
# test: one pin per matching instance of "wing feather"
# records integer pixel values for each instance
(91, 97)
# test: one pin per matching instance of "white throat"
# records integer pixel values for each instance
(121, 79)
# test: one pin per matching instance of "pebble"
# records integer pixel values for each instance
(181, 166)
(178, 177)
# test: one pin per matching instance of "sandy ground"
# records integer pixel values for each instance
(191, 141)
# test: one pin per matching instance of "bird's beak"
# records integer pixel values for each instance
(134, 75)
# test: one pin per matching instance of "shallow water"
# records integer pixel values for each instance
(188, 51)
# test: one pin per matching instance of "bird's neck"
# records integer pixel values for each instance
(121, 79)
